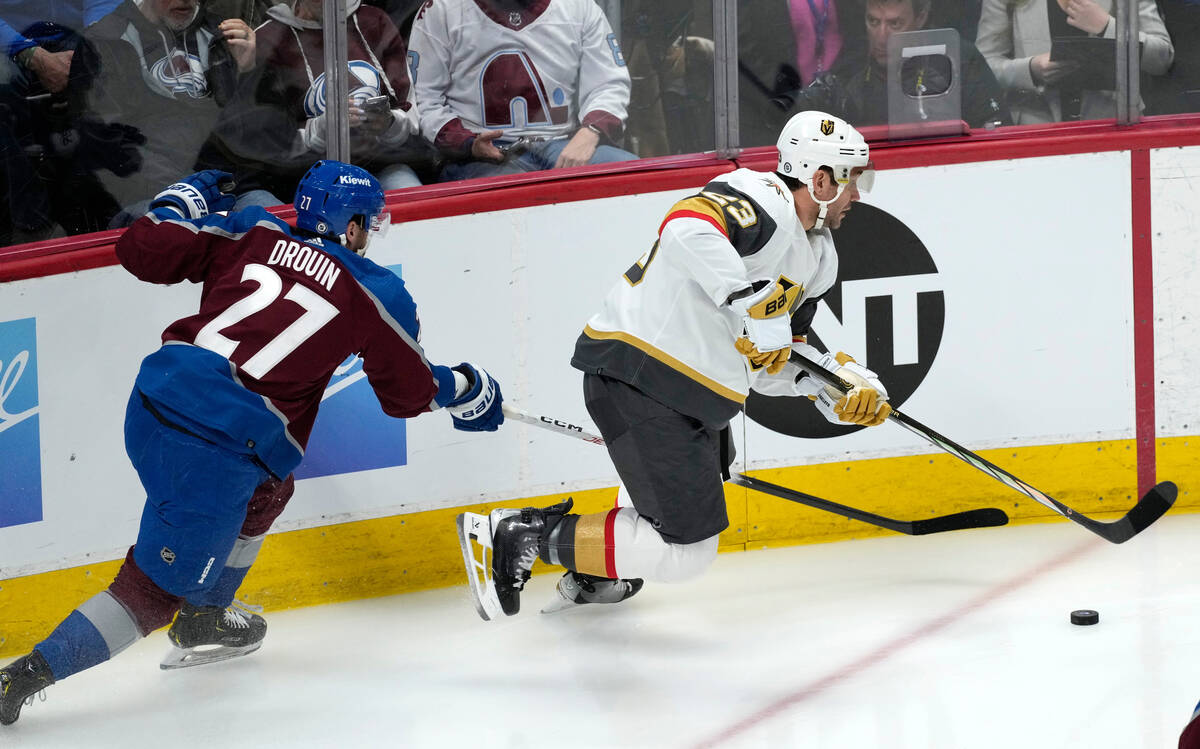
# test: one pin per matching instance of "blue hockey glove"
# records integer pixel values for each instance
(199, 194)
(478, 409)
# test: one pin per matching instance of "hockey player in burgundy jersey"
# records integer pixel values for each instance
(220, 414)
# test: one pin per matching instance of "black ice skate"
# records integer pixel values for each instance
(20, 682)
(514, 537)
(575, 589)
(207, 634)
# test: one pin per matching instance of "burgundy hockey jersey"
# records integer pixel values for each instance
(278, 313)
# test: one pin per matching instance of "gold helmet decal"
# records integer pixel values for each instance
(826, 127)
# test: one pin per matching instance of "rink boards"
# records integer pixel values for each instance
(1005, 302)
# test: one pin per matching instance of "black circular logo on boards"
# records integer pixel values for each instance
(904, 317)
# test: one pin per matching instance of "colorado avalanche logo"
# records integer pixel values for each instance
(181, 73)
(364, 83)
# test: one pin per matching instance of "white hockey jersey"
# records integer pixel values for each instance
(541, 71)
(666, 327)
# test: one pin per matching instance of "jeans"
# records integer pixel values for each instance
(397, 177)
(539, 156)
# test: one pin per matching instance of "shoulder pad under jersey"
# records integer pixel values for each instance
(754, 205)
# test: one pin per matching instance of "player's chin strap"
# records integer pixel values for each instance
(823, 204)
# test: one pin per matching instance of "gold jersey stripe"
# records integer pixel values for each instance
(688, 207)
(665, 358)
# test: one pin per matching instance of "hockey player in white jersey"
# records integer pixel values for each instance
(713, 308)
(509, 86)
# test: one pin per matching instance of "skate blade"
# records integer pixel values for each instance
(478, 528)
(198, 656)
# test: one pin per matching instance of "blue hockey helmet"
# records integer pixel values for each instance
(332, 193)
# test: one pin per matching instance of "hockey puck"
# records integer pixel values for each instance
(1085, 616)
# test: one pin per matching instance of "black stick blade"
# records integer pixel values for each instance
(1149, 508)
(985, 517)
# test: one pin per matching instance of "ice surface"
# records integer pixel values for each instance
(955, 640)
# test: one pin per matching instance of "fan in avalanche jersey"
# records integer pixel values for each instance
(510, 86)
(220, 414)
(715, 307)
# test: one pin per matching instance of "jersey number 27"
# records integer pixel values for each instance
(317, 313)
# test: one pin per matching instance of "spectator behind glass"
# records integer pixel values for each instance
(401, 12)
(36, 143)
(161, 71)
(858, 90)
(960, 15)
(544, 80)
(818, 36)
(382, 113)
(671, 61)
(669, 49)
(253, 12)
(1015, 37)
(956, 14)
(49, 66)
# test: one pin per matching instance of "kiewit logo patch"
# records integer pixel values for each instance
(888, 311)
(20, 436)
(352, 433)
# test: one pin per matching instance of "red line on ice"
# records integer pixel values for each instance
(890, 648)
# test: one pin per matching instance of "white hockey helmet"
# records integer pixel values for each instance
(811, 140)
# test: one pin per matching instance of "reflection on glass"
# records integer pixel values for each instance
(104, 104)
(1179, 89)
(668, 45)
(767, 60)
(1056, 60)
(510, 86)
(854, 83)
(290, 93)
(37, 137)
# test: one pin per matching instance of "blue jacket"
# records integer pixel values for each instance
(16, 16)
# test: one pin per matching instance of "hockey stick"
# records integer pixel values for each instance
(986, 517)
(982, 518)
(554, 425)
(1149, 508)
